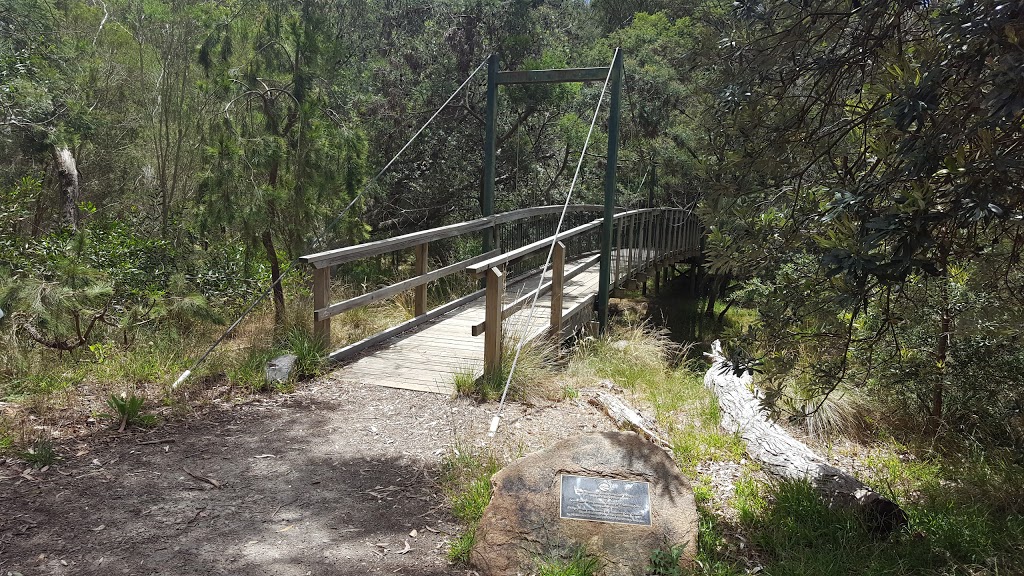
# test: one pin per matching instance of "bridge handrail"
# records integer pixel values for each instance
(480, 268)
(660, 233)
(369, 249)
(644, 238)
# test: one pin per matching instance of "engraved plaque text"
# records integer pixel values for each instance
(605, 500)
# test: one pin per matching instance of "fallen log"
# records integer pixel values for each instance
(785, 457)
(627, 418)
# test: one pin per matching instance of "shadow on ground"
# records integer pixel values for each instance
(310, 488)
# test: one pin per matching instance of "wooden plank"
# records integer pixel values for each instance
(578, 315)
(552, 76)
(357, 347)
(349, 253)
(398, 287)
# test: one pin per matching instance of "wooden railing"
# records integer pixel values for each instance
(521, 237)
(644, 239)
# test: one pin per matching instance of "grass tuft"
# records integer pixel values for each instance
(41, 453)
(466, 479)
(665, 561)
(576, 563)
(533, 379)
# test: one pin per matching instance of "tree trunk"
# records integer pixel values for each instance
(785, 457)
(941, 354)
(67, 182)
(275, 276)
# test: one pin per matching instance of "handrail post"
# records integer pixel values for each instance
(322, 299)
(557, 286)
(492, 317)
(422, 251)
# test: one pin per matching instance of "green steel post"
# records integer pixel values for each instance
(490, 120)
(604, 284)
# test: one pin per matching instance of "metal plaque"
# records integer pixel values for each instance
(605, 500)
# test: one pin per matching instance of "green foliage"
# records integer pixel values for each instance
(248, 371)
(466, 479)
(533, 376)
(748, 498)
(312, 356)
(41, 453)
(127, 411)
(465, 382)
(42, 382)
(460, 548)
(576, 563)
(665, 561)
(637, 357)
(954, 526)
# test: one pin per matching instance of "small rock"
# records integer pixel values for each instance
(280, 370)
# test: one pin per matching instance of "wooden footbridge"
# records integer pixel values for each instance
(593, 251)
(466, 334)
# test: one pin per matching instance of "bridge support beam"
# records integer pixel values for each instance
(490, 148)
(605, 280)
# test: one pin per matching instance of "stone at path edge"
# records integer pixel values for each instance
(521, 524)
(279, 370)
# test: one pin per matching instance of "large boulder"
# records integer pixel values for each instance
(522, 523)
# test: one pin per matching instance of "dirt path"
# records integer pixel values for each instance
(336, 478)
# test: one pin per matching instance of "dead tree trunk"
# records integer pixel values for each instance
(783, 456)
(67, 180)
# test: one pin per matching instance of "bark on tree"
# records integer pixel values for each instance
(785, 457)
(275, 274)
(941, 344)
(67, 181)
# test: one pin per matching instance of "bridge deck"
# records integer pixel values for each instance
(427, 357)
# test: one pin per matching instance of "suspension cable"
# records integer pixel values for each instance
(322, 237)
(554, 240)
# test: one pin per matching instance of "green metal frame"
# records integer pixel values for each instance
(495, 79)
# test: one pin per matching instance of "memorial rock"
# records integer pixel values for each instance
(615, 494)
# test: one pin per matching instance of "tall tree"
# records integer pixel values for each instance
(280, 161)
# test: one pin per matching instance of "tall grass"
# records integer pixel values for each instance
(533, 380)
(643, 360)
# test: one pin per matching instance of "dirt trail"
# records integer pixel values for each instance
(332, 479)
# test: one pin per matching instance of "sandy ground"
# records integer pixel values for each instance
(335, 478)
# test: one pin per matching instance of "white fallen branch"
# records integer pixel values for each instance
(785, 457)
(626, 417)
